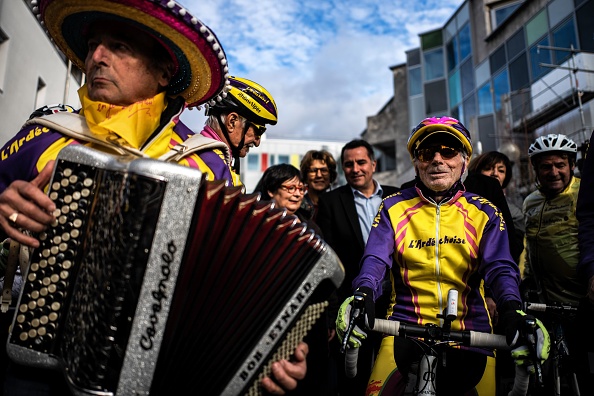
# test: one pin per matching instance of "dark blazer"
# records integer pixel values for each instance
(337, 218)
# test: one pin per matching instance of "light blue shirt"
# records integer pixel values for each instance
(367, 208)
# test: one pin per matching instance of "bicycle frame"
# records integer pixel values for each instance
(559, 348)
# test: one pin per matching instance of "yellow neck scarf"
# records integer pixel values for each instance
(133, 124)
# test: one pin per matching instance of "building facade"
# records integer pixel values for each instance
(509, 70)
(283, 151)
(33, 72)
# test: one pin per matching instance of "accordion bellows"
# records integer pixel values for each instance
(152, 278)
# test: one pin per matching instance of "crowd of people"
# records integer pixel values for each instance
(402, 249)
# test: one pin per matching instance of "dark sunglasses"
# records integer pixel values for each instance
(258, 129)
(428, 153)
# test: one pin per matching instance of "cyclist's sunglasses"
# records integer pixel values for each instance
(258, 129)
(426, 154)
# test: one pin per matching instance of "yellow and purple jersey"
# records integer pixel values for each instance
(25, 155)
(431, 248)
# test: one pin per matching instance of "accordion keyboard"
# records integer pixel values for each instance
(50, 273)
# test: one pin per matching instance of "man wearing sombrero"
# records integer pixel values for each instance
(145, 61)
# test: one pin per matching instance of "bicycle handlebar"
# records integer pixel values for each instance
(465, 337)
(538, 307)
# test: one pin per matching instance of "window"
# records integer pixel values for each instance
(467, 77)
(469, 109)
(537, 27)
(465, 43)
(415, 86)
(485, 100)
(518, 73)
(521, 104)
(283, 159)
(501, 13)
(457, 112)
(497, 59)
(500, 88)
(482, 73)
(433, 62)
(539, 56)
(435, 97)
(252, 162)
(413, 57)
(516, 44)
(564, 37)
(455, 89)
(452, 54)
(585, 26)
(559, 10)
(431, 40)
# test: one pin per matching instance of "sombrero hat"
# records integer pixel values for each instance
(200, 63)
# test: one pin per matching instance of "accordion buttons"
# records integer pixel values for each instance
(76, 195)
(56, 186)
(67, 172)
(88, 182)
(68, 199)
(64, 182)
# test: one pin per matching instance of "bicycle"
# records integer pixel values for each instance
(431, 335)
(559, 356)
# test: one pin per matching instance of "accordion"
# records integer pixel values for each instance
(151, 277)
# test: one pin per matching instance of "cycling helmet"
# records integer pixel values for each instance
(552, 142)
(433, 125)
(249, 100)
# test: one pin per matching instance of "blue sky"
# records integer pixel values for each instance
(325, 62)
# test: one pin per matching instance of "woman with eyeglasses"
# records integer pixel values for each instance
(318, 170)
(282, 183)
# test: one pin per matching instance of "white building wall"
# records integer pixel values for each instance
(26, 57)
(288, 151)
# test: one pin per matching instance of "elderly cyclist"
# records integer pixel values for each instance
(433, 237)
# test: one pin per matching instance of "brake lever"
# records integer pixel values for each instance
(358, 308)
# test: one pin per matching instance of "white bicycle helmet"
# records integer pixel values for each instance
(552, 142)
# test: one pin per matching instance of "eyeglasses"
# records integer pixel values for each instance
(314, 171)
(258, 129)
(427, 154)
(292, 189)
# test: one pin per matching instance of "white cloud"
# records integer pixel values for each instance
(325, 62)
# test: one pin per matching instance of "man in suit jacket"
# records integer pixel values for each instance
(345, 216)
